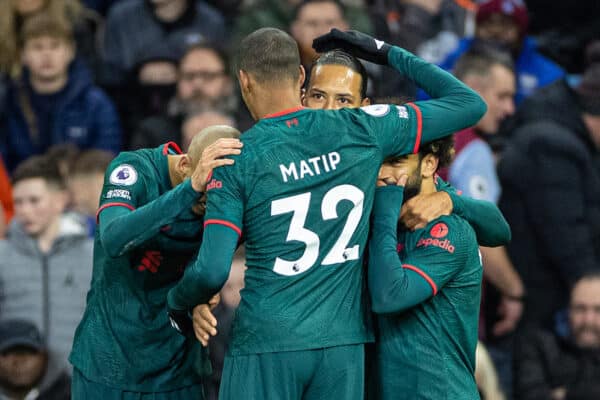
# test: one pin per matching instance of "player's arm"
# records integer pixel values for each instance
(454, 105)
(484, 217)
(122, 225)
(222, 230)
(396, 284)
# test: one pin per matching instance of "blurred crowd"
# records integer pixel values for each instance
(81, 80)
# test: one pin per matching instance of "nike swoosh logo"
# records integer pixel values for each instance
(379, 44)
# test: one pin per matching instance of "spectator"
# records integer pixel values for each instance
(132, 26)
(280, 14)
(26, 366)
(85, 181)
(504, 22)
(55, 101)
(425, 27)
(6, 203)
(46, 261)
(14, 13)
(550, 177)
(152, 86)
(194, 123)
(203, 82)
(564, 365)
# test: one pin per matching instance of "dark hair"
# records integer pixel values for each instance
(219, 51)
(480, 59)
(442, 149)
(39, 167)
(91, 161)
(269, 55)
(587, 90)
(43, 24)
(340, 57)
(303, 3)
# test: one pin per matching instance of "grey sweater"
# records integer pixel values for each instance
(47, 289)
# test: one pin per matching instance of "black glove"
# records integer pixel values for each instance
(356, 43)
(181, 322)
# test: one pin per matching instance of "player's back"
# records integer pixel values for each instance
(307, 179)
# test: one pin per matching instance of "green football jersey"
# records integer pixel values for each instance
(428, 351)
(124, 339)
(302, 191)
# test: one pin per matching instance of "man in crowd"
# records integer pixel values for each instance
(149, 227)
(550, 364)
(203, 83)
(55, 101)
(46, 259)
(290, 266)
(134, 25)
(505, 23)
(555, 215)
(28, 369)
(425, 285)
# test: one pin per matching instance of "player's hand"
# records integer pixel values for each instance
(181, 322)
(510, 310)
(212, 157)
(423, 208)
(205, 323)
(356, 43)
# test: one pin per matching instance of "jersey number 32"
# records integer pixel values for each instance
(299, 206)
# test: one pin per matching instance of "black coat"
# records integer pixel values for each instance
(544, 362)
(550, 178)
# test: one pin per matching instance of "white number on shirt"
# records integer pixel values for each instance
(299, 206)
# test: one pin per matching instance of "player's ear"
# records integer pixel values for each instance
(429, 165)
(365, 102)
(184, 166)
(244, 80)
(302, 76)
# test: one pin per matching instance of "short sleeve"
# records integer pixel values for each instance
(474, 173)
(225, 202)
(124, 184)
(396, 128)
(441, 251)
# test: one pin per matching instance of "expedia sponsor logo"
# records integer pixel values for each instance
(442, 244)
(214, 184)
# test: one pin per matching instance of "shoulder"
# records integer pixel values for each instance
(206, 10)
(126, 168)
(125, 8)
(448, 232)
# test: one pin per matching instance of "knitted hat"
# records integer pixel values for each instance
(514, 9)
(588, 89)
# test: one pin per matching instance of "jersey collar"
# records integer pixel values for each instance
(284, 112)
(171, 148)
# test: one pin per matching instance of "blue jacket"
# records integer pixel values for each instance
(80, 113)
(533, 69)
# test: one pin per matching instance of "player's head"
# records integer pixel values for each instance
(195, 122)
(268, 62)
(337, 80)
(490, 73)
(420, 167)
(39, 195)
(584, 311)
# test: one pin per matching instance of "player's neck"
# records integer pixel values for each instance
(276, 100)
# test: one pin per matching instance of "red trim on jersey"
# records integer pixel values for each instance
(284, 112)
(132, 208)
(225, 223)
(209, 176)
(172, 146)
(423, 275)
(419, 126)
